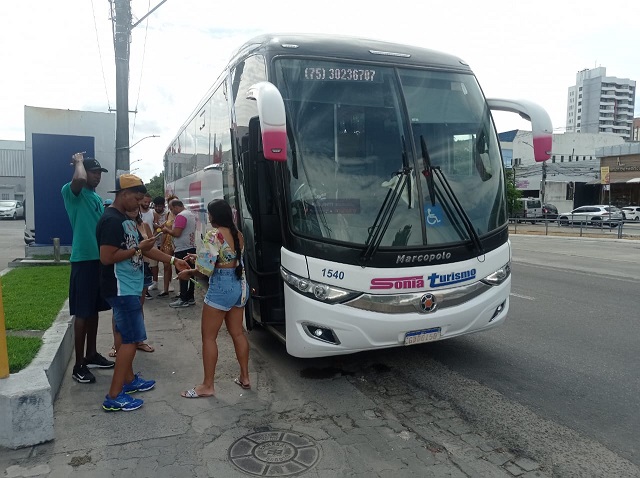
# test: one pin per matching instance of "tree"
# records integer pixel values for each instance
(513, 194)
(155, 186)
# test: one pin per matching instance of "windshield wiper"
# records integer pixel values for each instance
(382, 220)
(429, 173)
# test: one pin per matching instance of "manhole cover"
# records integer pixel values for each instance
(274, 453)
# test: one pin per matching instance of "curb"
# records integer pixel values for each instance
(27, 397)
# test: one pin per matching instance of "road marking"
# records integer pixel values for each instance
(522, 296)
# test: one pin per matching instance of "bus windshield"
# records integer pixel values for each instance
(357, 130)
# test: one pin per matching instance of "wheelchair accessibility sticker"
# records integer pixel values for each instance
(433, 215)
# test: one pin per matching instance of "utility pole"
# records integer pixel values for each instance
(122, 41)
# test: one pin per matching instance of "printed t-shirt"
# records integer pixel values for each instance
(125, 277)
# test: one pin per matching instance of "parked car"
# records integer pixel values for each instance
(549, 211)
(592, 215)
(530, 209)
(11, 208)
(631, 213)
(29, 235)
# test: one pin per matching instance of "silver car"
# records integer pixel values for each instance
(11, 209)
(592, 216)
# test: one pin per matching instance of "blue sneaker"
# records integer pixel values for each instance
(138, 384)
(121, 402)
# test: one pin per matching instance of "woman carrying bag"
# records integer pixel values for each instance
(220, 259)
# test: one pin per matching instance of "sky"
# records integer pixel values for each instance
(60, 54)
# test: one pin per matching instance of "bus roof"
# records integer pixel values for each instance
(335, 46)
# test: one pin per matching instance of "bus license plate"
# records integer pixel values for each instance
(421, 336)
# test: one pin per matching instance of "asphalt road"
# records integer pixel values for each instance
(558, 381)
(569, 349)
(11, 241)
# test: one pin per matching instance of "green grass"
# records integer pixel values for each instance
(21, 350)
(33, 296)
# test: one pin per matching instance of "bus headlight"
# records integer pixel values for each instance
(317, 290)
(499, 276)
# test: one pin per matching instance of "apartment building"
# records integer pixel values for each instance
(598, 103)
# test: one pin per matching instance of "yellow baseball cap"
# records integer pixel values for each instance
(129, 181)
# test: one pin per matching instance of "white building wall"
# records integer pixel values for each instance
(12, 170)
(573, 158)
(598, 103)
(100, 126)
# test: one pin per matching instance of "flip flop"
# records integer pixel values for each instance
(112, 352)
(193, 394)
(145, 347)
(246, 386)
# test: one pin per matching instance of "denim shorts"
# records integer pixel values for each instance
(127, 314)
(225, 290)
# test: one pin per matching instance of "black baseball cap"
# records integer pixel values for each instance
(92, 164)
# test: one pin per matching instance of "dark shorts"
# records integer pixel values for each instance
(127, 314)
(85, 300)
(225, 290)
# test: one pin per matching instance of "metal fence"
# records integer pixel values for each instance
(551, 227)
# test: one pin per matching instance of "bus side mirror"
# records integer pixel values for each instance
(541, 126)
(273, 123)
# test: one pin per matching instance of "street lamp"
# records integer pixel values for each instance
(141, 139)
(123, 166)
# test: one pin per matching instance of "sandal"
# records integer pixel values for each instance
(193, 394)
(246, 386)
(112, 352)
(145, 347)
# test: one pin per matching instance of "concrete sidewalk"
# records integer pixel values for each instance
(285, 425)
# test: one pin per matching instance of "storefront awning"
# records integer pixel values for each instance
(617, 181)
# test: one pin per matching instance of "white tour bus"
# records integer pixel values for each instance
(367, 179)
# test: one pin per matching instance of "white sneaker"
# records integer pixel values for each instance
(153, 286)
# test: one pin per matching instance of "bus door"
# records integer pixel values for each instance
(263, 232)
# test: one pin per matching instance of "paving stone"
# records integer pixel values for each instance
(526, 464)
(395, 425)
(499, 457)
(480, 442)
(479, 468)
(513, 469)
(536, 474)
(369, 423)
(17, 471)
(401, 406)
(443, 470)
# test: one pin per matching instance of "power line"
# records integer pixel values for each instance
(144, 51)
(104, 79)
